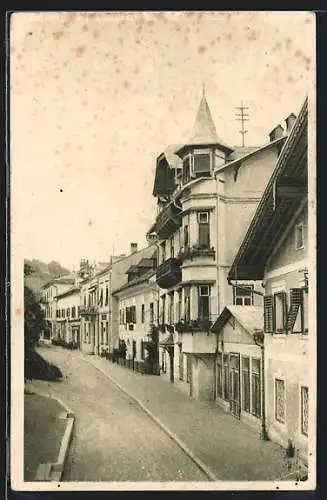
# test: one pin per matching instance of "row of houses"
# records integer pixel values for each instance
(224, 280)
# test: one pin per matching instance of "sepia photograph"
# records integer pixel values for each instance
(163, 239)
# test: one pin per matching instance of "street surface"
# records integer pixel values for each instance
(113, 439)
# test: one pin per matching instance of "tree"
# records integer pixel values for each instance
(34, 319)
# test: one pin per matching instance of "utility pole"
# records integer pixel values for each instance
(242, 116)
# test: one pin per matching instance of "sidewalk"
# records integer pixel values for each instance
(232, 449)
(43, 432)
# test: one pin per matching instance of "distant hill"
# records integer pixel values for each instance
(42, 273)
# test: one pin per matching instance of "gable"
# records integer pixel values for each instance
(234, 332)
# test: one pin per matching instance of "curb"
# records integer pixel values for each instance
(208, 472)
(53, 471)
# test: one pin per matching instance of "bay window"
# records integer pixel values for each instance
(204, 229)
(204, 302)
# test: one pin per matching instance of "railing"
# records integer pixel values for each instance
(88, 310)
(193, 325)
(196, 251)
(168, 273)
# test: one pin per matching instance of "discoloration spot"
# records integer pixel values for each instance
(251, 36)
(85, 28)
(95, 33)
(19, 311)
(89, 222)
(58, 34)
(80, 50)
(201, 49)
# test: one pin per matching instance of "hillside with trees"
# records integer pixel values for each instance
(41, 273)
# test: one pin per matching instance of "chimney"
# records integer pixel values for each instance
(290, 122)
(133, 247)
(276, 133)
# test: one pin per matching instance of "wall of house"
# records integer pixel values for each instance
(287, 359)
(287, 253)
(202, 377)
(142, 295)
(64, 325)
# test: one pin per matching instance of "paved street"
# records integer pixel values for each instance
(113, 439)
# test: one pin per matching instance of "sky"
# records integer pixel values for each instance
(96, 97)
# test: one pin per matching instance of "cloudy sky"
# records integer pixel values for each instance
(95, 97)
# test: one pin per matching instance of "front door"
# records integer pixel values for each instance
(234, 385)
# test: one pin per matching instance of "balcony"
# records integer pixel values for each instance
(196, 251)
(168, 273)
(88, 311)
(194, 325)
(201, 343)
(168, 221)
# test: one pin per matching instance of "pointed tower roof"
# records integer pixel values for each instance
(204, 130)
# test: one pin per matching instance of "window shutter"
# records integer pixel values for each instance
(296, 296)
(268, 313)
(284, 301)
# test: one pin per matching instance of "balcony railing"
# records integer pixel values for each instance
(88, 310)
(168, 273)
(168, 221)
(196, 251)
(193, 325)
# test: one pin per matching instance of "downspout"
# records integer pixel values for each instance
(259, 339)
(218, 281)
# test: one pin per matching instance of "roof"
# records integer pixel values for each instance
(250, 317)
(243, 154)
(68, 292)
(285, 193)
(66, 279)
(164, 182)
(204, 130)
(136, 281)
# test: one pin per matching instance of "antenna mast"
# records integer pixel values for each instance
(242, 116)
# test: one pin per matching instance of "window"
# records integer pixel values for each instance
(186, 174)
(172, 250)
(163, 251)
(204, 229)
(151, 312)
(171, 309)
(187, 304)
(204, 302)
(220, 375)
(179, 306)
(280, 309)
(304, 410)
(73, 311)
(299, 236)
(297, 318)
(107, 332)
(246, 383)
(226, 378)
(256, 387)
(62, 313)
(78, 311)
(102, 326)
(106, 297)
(186, 236)
(58, 313)
(142, 313)
(85, 335)
(202, 164)
(84, 300)
(68, 312)
(243, 296)
(163, 309)
(280, 400)
(131, 314)
(142, 349)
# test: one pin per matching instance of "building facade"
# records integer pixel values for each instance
(67, 327)
(48, 294)
(207, 193)
(275, 250)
